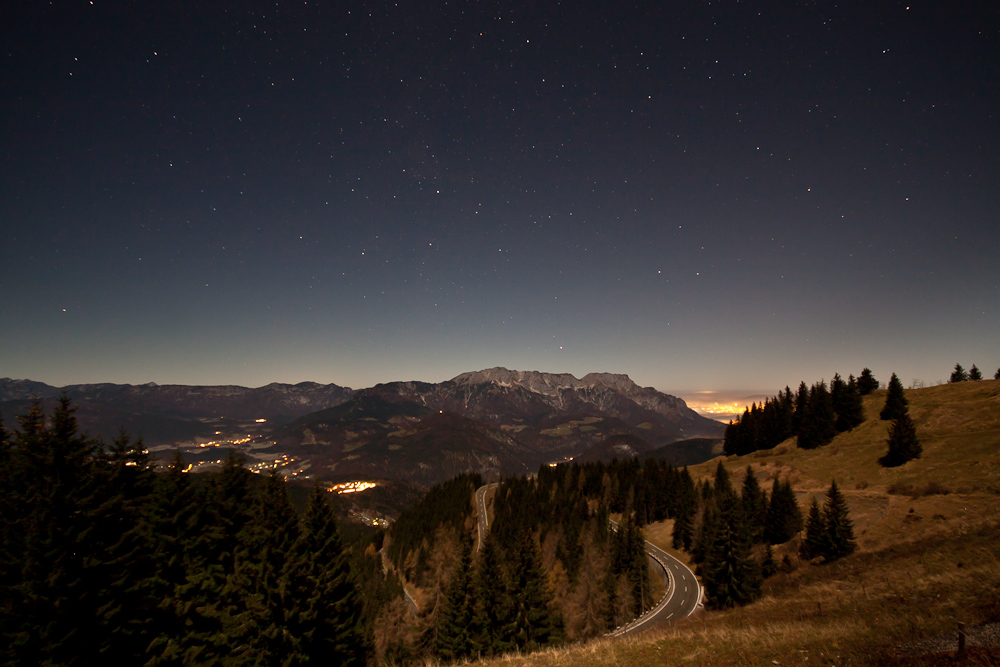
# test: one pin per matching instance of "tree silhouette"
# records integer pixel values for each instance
(959, 374)
(903, 443)
(814, 543)
(784, 518)
(895, 401)
(867, 382)
(839, 540)
(975, 374)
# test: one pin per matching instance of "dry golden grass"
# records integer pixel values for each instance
(925, 562)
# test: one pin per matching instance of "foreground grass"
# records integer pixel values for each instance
(929, 553)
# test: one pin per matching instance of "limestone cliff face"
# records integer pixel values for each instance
(603, 390)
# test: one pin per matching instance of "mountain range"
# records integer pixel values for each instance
(495, 421)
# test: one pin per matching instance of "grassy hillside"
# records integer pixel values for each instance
(928, 554)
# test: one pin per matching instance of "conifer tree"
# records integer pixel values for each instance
(457, 636)
(684, 526)
(903, 443)
(975, 374)
(53, 616)
(801, 408)
(867, 382)
(754, 505)
(330, 629)
(722, 486)
(839, 540)
(731, 574)
(784, 518)
(814, 543)
(707, 530)
(959, 374)
(534, 622)
(895, 401)
(492, 602)
(996, 376)
(120, 524)
(818, 425)
(848, 406)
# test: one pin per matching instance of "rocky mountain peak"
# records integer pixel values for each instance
(549, 384)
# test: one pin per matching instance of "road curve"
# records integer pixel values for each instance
(483, 515)
(683, 592)
(682, 597)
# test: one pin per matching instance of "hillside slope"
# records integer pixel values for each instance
(928, 553)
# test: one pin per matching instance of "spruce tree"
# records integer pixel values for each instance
(534, 622)
(818, 425)
(331, 629)
(996, 376)
(903, 443)
(849, 407)
(814, 543)
(754, 505)
(54, 611)
(895, 401)
(731, 573)
(839, 540)
(684, 526)
(493, 602)
(975, 374)
(959, 374)
(457, 636)
(784, 518)
(867, 382)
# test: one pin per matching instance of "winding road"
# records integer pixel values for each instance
(682, 598)
(683, 594)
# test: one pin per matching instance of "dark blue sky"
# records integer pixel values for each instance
(702, 195)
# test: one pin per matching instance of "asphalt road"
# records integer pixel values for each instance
(683, 595)
(683, 592)
(484, 517)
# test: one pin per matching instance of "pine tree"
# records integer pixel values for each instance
(903, 443)
(54, 611)
(801, 412)
(534, 622)
(849, 407)
(996, 376)
(754, 505)
(492, 602)
(839, 540)
(456, 636)
(784, 518)
(684, 526)
(959, 374)
(818, 425)
(867, 382)
(895, 401)
(330, 629)
(731, 574)
(975, 374)
(814, 543)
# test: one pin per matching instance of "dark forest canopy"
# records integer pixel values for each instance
(106, 562)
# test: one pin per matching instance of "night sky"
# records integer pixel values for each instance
(703, 195)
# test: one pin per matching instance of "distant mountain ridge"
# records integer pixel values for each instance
(163, 413)
(546, 416)
(494, 421)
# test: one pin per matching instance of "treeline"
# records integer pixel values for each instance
(813, 414)
(104, 561)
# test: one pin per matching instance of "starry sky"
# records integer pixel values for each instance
(704, 195)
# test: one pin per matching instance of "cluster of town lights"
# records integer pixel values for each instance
(350, 487)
